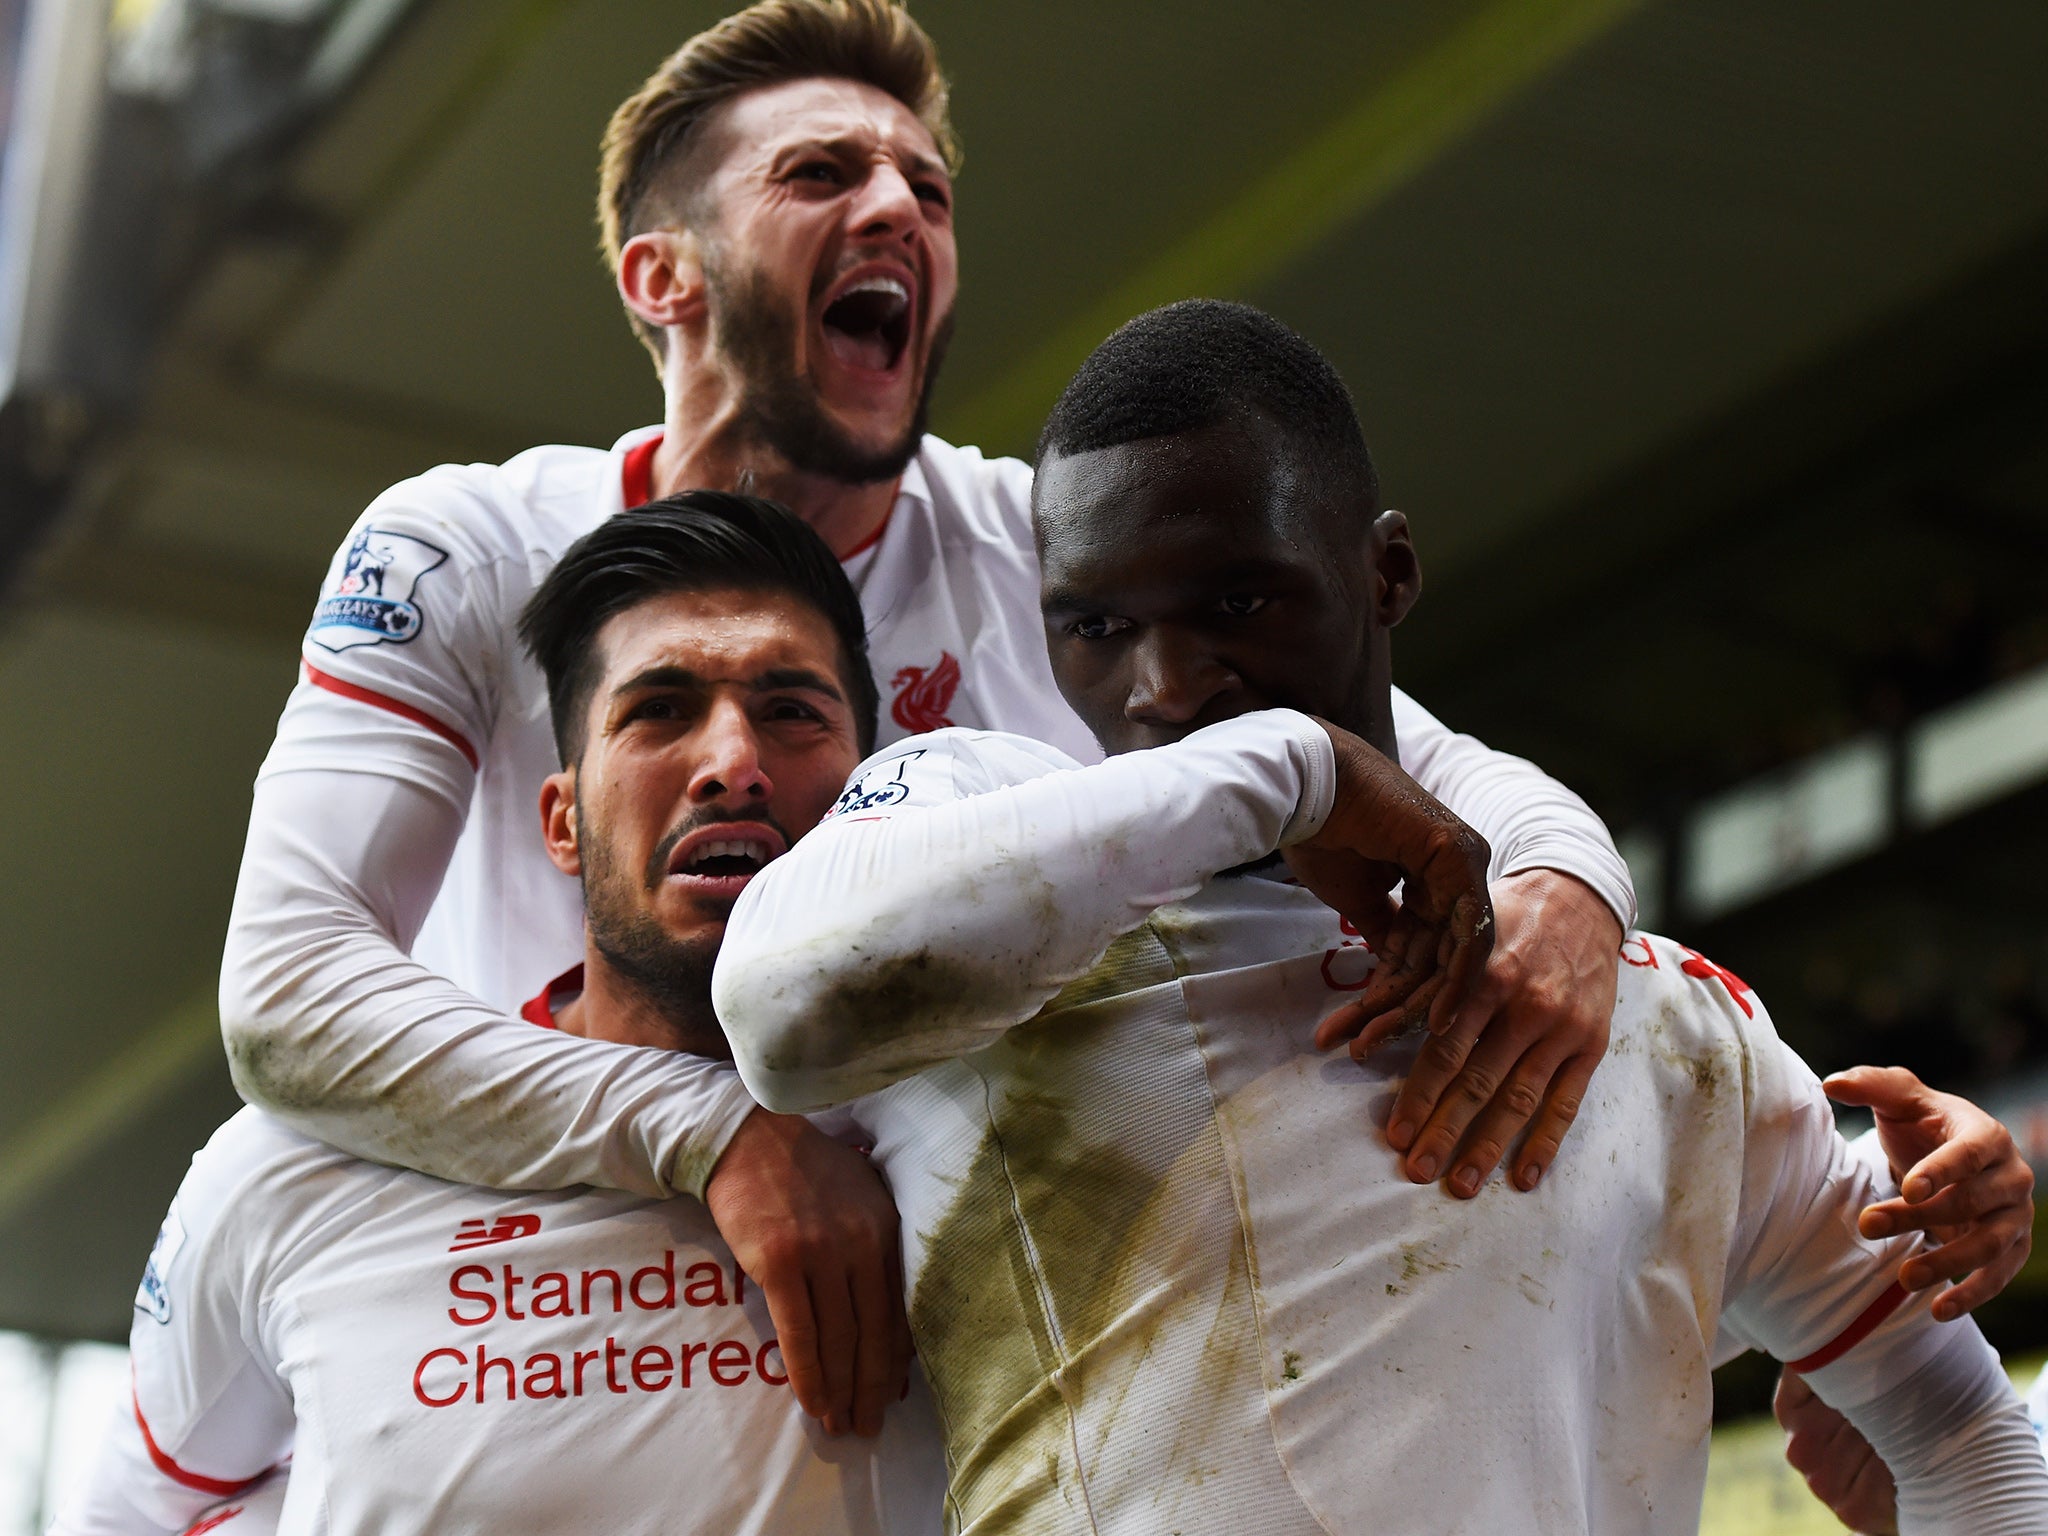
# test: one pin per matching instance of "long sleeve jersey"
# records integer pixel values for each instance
(395, 901)
(1164, 1271)
(323, 1345)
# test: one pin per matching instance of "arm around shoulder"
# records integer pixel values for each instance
(965, 878)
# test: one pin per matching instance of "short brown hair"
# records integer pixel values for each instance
(872, 41)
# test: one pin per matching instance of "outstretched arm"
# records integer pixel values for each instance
(966, 878)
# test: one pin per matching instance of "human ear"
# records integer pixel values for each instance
(661, 277)
(1397, 570)
(558, 821)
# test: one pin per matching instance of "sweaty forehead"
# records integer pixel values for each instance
(1219, 492)
(720, 635)
(758, 124)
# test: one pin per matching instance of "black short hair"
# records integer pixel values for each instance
(699, 541)
(1195, 363)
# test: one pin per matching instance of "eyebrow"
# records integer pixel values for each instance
(844, 144)
(1063, 600)
(668, 675)
(1255, 570)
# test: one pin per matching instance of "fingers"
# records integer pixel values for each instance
(788, 1294)
(1439, 1061)
(1791, 1399)
(1501, 1119)
(875, 1369)
(1465, 950)
(1990, 1278)
(2005, 1189)
(1405, 960)
(1962, 1157)
(1988, 1255)
(1560, 1109)
(1486, 1073)
(837, 1347)
(902, 1350)
(1890, 1091)
(1837, 1463)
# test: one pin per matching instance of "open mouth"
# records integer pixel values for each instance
(725, 858)
(868, 326)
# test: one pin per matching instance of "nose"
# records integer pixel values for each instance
(728, 769)
(1175, 679)
(887, 205)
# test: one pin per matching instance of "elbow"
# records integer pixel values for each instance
(255, 1028)
(786, 1064)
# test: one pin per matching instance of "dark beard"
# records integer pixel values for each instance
(674, 979)
(780, 409)
(672, 976)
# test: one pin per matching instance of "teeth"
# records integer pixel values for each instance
(894, 287)
(732, 848)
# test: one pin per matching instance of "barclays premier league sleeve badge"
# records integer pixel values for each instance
(154, 1294)
(373, 602)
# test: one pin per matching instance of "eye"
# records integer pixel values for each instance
(659, 707)
(933, 193)
(824, 172)
(1241, 605)
(792, 709)
(1097, 626)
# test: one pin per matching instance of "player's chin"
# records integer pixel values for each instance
(699, 908)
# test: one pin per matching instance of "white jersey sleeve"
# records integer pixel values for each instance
(1531, 820)
(964, 878)
(208, 1415)
(329, 1022)
(1804, 1285)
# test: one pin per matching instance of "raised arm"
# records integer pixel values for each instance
(334, 1028)
(965, 878)
(329, 1022)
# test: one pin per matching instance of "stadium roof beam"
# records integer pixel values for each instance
(1357, 161)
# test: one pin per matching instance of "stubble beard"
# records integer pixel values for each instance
(779, 408)
(671, 976)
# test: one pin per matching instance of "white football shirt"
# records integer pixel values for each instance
(436, 1357)
(1165, 1273)
(417, 742)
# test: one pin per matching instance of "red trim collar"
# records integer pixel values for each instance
(637, 473)
(541, 1009)
(636, 489)
(872, 539)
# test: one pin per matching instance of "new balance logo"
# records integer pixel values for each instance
(476, 1234)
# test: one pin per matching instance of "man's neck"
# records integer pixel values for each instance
(616, 1008)
(703, 447)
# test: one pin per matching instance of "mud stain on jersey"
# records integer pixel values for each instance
(1085, 1228)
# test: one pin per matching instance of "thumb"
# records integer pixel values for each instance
(1892, 1092)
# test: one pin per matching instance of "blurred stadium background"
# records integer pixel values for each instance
(1706, 344)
